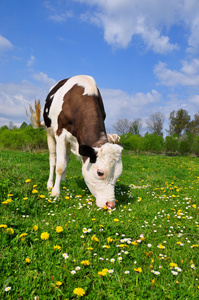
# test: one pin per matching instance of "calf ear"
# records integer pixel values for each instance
(88, 151)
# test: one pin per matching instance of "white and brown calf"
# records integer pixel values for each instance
(74, 116)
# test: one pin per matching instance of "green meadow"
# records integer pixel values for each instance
(145, 248)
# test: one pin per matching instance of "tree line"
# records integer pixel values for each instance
(182, 138)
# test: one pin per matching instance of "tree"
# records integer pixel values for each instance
(23, 125)
(194, 125)
(122, 126)
(179, 122)
(155, 123)
(135, 127)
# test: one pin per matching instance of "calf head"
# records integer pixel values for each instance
(101, 171)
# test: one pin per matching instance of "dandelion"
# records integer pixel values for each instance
(3, 226)
(160, 246)
(85, 262)
(103, 272)
(79, 292)
(45, 236)
(10, 230)
(59, 229)
(94, 238)
(28, 260)
(35, 228)
(34, 191)
(23, 235)
(57, 247)
(65, 255)
(116, 220)
(106, 246)
(42, 196)
(173, 265)
(28, 180)
(139, 270)
(7, 289)
(58, 283)
(109, 240)
(90, 248)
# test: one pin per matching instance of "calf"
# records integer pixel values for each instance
(74, 116)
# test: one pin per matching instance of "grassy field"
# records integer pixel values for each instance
(146, 248)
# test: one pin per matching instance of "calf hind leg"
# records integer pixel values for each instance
(63, 156)
(52, 157)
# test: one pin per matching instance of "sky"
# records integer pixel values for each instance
(144, 55)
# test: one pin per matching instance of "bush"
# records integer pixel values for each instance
(184, 145)
(195, 145)
(171, 144)
(153, 143)
(25, 138)
(131, 142)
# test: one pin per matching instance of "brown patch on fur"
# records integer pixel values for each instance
(83, 116)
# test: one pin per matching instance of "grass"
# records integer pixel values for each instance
(145, 248)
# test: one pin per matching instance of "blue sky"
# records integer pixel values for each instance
(144, 55)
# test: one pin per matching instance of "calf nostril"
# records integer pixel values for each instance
(110, 204)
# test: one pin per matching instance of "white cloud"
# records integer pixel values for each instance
(5, 44)
(44, 79)
(31, 61)
(151, 20)
(188, 76)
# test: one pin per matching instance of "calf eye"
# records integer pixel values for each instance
(100, 173)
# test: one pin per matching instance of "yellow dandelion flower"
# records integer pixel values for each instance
(10, 230)
(3, 226)
(139, 270)
(79, 291)
(22, 235)
(58, 283)
(94, 238)
(28, 260)
(173, 265)
(103, 272)
(28, 180)
(85, 262)
(134, 243)
(45, 236)
(34, 191)
(116, 220)
(42, 196)
(90, 248)
(57, 247)
(59, 229)
(35, 228)
(109, 239)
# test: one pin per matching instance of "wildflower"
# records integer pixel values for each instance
(139, 270)
(103, 272)
(120, 258)
(45, 236)
(110, 271)
(112, 260)
(73, 272)
(77, 268)
(22, 235)
(134, 243)
(28, 260)
(126, 272)
(25, 198)
(65, 255)
(58, 283)
(3, 226)
(36, 298)
(10, 230)
(90, 248)
(59, 229)
(116, 220)
(7, 289)
(174, 273)
(106, 247)
(192, 266)
(35, 228)
(149, 245)
(109, 240)
(79, 292)
(85, 262)
(160, 246)
(94, 238)
(34, 191)
(173, 265)
(28, 180)
(42, 196)
(57, 247)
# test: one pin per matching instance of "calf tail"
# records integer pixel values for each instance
(34, 115)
